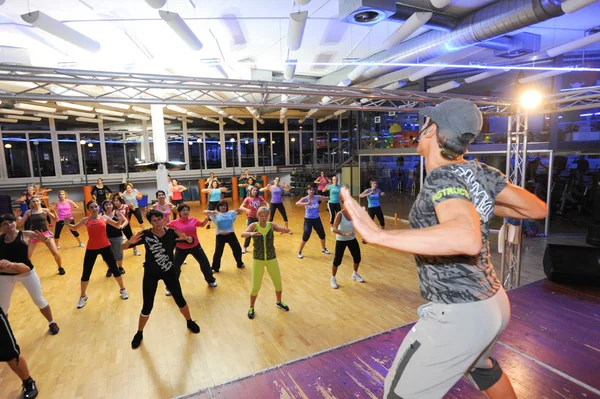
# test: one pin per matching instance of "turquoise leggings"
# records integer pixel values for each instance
(258, 270)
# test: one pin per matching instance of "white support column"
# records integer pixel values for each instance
(222, 146)
(103, 147)
(255, 133)
(286, 138)
(145, 155)
(186, 155)
(80, 156)
(55, 148)
(30, 155)
(3, 165)
(159, 139)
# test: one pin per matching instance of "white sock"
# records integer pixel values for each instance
(50, 322)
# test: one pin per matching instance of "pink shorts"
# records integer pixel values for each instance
(47, 233)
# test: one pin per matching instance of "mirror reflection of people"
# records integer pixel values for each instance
(583, 167)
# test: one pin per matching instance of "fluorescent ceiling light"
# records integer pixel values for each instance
(424, 72)
(90, 120)
(217, 110)
(169, 116)
(39, 101)
(58, 29)
(409, 27)
(302, 2)
(33, 107)
(142, 110)
(539, 76)
(440, 3)
(444, 87)
(109, 112)
(207, 118)
(483, 75)
(116, 105)
(177, 109)
(570, 6)
(296, 25)
(166, 121)
(339, 112)
(111, 118)
(194, 114)
(236, 119)
(25, 118)
(289, 69)
(5, 120)
(186, 120)
(156, 3)
(573, 45)
(396, 85)
(11, 111)
(79, 113)
(74, 106)
(180, 27)
(51, 116)
(140, 117)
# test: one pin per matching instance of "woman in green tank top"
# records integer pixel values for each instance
(264, 255)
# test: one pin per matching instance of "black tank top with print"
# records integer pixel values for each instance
(15, 251)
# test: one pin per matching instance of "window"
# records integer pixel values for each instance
(213, 151)
(196, 150)
(15, 151)
(278, 146)
(307, 148)
(69, 158)
(175, 147)
(41, 153)
(247, 150)
(264, 149)
(135, 150)
(294, 148)
(92, 157)
(115, 152)
(231, 150)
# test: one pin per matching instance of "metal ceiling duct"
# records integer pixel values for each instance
(494, 20)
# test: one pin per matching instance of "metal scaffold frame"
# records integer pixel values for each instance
(516, 164)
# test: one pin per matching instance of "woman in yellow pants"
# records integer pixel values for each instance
(264, 255)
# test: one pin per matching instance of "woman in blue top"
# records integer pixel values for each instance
(224, 219)
(277, 199)
(214, 196)
(334, 198)
(374, 208)
(312, 220)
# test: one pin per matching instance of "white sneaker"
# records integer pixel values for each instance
(356, 277)
(82, 301)
(167, 293)
(243, 250)
(326, 251)
(185, 262)
(300, 256)
(58, 247)
(81, 245)
(136, 252)
(333, 283)
(124, 239)
(213, 284)
(124, 294)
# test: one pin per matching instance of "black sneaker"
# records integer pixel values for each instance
(62, 272)
(137, 340)
(281, 305)
(29, 389)
(251, 313)
(122, 270)
(208, 227)
(108, 273)
(53, 329)
(193, 327)
(242, 266)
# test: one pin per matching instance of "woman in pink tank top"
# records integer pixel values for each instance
(163, 206)
(64, 209)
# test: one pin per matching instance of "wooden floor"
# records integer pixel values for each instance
(91, 357)
(550, 350)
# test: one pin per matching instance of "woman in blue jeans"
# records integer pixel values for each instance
(312, 220)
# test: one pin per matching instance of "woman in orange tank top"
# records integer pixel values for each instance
(98, 244)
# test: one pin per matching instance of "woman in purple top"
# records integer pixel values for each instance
(312, 220)
(276, 190)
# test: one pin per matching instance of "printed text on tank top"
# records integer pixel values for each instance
(312, 208)
(158, 251)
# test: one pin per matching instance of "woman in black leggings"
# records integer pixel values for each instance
(160, 242)
(98, 244)
(119, 206)
(224, 219)
(374, 208)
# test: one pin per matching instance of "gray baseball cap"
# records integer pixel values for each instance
(458, 120)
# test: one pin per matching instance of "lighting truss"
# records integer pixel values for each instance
(127, 88)
(572, 100)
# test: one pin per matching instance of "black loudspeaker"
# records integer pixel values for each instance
(572, 264)
(5, 204)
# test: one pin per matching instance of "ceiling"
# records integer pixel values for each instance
(243, 36)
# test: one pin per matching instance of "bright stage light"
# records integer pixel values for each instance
(530, 99)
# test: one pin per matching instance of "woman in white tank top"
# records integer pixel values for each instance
(345, 238)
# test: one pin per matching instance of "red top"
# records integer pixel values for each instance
(97, 238)
(176, 193)
(253, 204)
(187, 226)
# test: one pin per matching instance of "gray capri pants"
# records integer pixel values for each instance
(115, 246)
(449, 341)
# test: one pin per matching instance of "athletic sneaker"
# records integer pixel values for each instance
(281, 305)
(242, 266)
(251, 313)
(81, 302)
(193, 327)
(108, 273)
(137, 340)
(30, 390)
(213, 284)
(333, 283)
(58, 247)
(124, 294)
(122, 270)
(81, 245)
(53, 327)
(208, 227)
(136, 252)
(356, 277)
(326, 251)
(61, 271)
(215, 270)
(300, 256)
(244, 250)
(167, 292)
